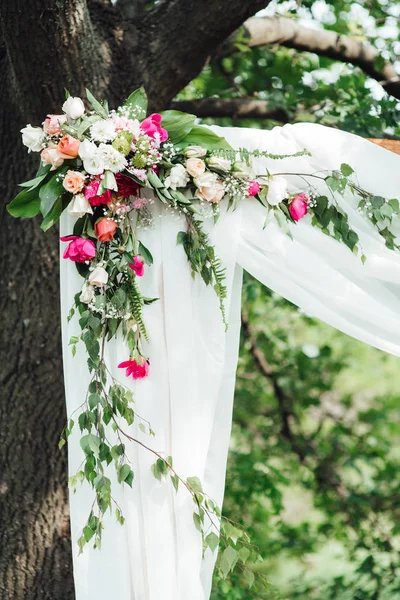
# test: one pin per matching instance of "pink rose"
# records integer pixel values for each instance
(137, 266)
(253, 188)
(298, 207)
(152, 125)
(79, 250)
(52, 125)
(91, 194)
(68, 147)
(139, 369)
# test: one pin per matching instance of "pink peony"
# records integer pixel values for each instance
(152, 125)
(91, 194)
(126, 185)
(253, 188)
(138, 369)
(79, 250)
(298, 207)
(137, 266)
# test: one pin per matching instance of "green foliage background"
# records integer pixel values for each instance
(313, 471)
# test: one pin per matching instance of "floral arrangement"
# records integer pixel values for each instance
(97, 164)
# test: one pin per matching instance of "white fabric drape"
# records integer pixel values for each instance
(188, 395)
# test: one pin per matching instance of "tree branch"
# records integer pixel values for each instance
(241, 108)
(263, 31)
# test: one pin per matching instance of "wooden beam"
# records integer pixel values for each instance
(392, 145)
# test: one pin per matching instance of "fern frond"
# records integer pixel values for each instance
(136, 304)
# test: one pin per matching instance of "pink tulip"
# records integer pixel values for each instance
(137, 266)
(152, 125)
(298, 207)
(253, 188)
(136, 369)
(79, 250)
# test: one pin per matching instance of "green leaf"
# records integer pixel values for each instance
(212, 541)
(50, 192)
(228, 561)
(198, 522)
(154, 180)
(137, 100)
(92, 345)
(178, 124)
(195, 484)
(88, 533)
(201, 136)
(97, 107)
(26, 204)
(94, 400)
(90, 443)
(346, 169)
(175, 481)
(33, 183)
(145, 254)
(53, 215)
(394, 203)
(387, 211)
(86, 123)
(125, 474)
(249, 577)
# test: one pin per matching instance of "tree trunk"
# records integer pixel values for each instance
(46, 45)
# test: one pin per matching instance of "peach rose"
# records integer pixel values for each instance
(52, 125)
(209, 188)
(74, 182)
(105, 229)
(68, 147)
(195, 166)
(51, 156)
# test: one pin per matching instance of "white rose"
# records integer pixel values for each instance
(195, 166)
(277, 191)
(206, 179)
(177, 178)
(195, 152)
(73, 108)
(87, 294)
(92, 160)
(98, 276)
(33, 138)
(219, 164)
(79, 206)
(242, 170)
(103, 131)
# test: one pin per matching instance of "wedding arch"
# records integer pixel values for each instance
(23, 100)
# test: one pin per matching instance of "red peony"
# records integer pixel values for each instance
(126, 186)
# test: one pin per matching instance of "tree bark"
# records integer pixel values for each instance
(46, 45)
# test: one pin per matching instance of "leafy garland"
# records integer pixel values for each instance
(95, 164)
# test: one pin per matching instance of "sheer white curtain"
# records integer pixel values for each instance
(188, 396)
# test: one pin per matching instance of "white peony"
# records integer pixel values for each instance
(194, 152)
(33, 138)
(73, 108)
(98, 276)
(103, 131)
(92, 160)
(219, 164)
(112, 159)
(277, 191)
(79, 206)
(177, 178)
(87, 294)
